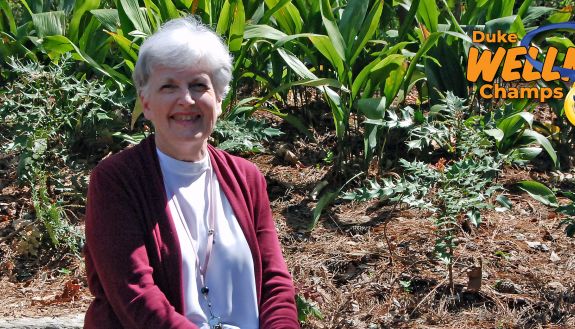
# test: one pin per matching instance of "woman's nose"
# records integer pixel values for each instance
(186, 97)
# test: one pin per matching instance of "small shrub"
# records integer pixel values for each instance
(52, 120)
(243, 135)
(453, 190)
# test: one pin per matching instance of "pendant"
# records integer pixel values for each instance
(215, 323)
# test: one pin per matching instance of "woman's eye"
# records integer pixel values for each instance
(168, 86)
(198, 86)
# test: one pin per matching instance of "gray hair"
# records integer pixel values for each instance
(183, 43)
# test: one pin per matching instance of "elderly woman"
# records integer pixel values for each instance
(178, 233)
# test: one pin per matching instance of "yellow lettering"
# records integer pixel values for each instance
(500, 92)
(528, 73)
(483, 91)
(531, 92)
(511, 63)
(545, 94)
(558, 93)
(477, 36)
(547, 72)
(485, 65)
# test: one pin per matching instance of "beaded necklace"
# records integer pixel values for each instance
(214, 321)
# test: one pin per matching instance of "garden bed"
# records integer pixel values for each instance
(364, 265)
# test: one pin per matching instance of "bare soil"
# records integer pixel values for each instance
(364, 265)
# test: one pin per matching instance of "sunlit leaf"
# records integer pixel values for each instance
(81, 7)
(539, 192)
(50, 23)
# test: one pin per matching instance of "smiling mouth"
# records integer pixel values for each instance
(186, 117)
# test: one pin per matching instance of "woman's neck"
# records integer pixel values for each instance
(184, 151)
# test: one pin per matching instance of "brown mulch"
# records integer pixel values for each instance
(364, 265)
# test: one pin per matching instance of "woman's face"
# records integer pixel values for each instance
(183, 106)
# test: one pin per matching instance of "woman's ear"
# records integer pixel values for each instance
(144, 104)
(218, 107)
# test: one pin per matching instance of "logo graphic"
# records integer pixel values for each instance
(569, 104)
(488, 63)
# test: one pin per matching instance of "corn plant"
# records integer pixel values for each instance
(548, 197)
(515, 137)
(339, 48)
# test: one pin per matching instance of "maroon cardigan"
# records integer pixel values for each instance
(133, 258)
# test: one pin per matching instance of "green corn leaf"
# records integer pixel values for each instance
(287, 17)
(325, 200)
(136, 112)
(428, 14)
(539, 192)
(496, 133)
(59, 44)
(19, 48)
(236, 35)
(205, 9)
(127, 46)
(407, 24)
(508, 24)
(269, 13)
(28, 9)
(154, 15)
(349, 24)
(524, 7)
(186, 3)
(5, 9)
(121, 78)
(363, 77)
(107, 17)
(225, 18)
(132, 18)
(323, 44)
(513, 123)
(543, 141)
(295, 64)
(319, 83)
(560, 16)
(525, 154)
(80, 8)
(93, 42)
(263, 31)
(535, 14)
(423, 49)
(390, 71)
(500, 8)
(332, 29)
(167, 10)
(372, 108)
(50, 23)
(294, 121)
(338, 113)
(366, 31)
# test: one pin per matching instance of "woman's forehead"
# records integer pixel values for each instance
(164, 72)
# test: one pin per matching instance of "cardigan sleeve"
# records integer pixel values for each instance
(119, 272)
(277, 305)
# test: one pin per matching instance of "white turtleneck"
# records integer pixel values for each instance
(230, 272)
